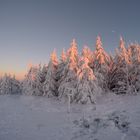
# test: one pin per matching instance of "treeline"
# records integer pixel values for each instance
(81, 77)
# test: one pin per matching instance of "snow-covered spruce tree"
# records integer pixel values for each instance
(87, 53)
(50, 84)
(68, 83)
(110, 78)
(39, 80)
(63, 56)
(9, 85)
(43, 73)
(134, 53)
(5, 86)
(123, 52)
(136, 72)
(73, 51)
(101, 64)
(134, 68)
(29, 83)
(15, 86)
(119, 74)
(87, 86)
(60, 69)
(61, 65)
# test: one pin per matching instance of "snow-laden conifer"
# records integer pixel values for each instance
(101, 64)
(50, 84)
(87, 85)
(69, 78)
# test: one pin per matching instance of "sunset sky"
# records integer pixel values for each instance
(31, 29)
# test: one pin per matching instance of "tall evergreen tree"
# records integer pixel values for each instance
(101, 64)
(60, 70)
(87, 53)
(73, 51)
(15, 86)
(101, 58)
(87, 86)
(5, 86)
(120, 70)
(50, 84)
(39, 81)
(29, 82)
(69, 79)
(134, 68)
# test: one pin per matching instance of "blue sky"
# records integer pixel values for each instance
(31, 29)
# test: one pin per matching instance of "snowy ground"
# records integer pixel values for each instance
(38, 118)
